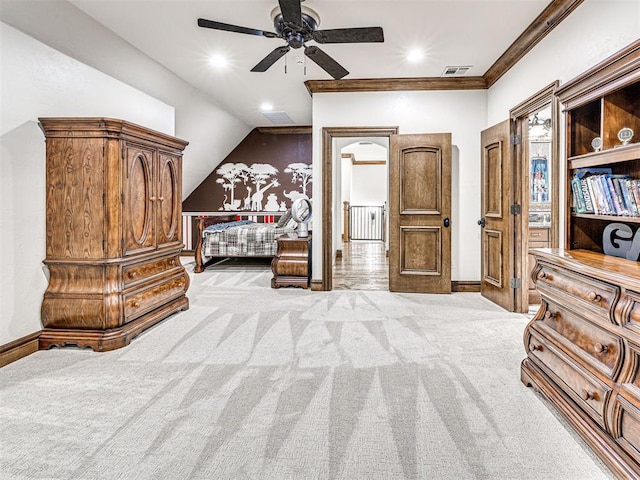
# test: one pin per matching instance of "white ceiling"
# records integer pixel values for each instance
(448, 32)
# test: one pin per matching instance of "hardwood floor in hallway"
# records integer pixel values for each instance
(363, 266)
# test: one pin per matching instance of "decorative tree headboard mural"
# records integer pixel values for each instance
(266, 172)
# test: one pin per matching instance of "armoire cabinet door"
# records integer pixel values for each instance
(168, 219)
(139, 199)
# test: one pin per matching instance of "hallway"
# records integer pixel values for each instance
(362, 266)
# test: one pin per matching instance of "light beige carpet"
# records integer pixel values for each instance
(256, 383)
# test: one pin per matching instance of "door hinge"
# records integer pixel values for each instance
(514, 283)
(516, 139)
(515, 209)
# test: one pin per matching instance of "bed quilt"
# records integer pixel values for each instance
(250, 239)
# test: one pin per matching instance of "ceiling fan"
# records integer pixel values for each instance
(297, 25)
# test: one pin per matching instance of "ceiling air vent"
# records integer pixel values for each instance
(455, 71)
(279, 118)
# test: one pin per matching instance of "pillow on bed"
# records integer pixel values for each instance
(284, 219)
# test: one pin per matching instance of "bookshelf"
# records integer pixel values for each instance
(599, 105)
(583, 345)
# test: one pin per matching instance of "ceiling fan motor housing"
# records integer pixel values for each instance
(296, 35)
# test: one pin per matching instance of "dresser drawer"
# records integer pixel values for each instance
(139, 272)
(143, 300)
(539, 235)
(625, 426)
(600, 349)
(587, 391)
(582, 294)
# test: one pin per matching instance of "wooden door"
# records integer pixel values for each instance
(420, 213)
(139, 199)
(496, 238)
(168, 218)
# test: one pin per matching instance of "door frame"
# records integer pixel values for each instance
(518, 116)
(328, 134)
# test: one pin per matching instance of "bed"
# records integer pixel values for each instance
(238, 238)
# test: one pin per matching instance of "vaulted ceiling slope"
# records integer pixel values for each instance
(472, 33)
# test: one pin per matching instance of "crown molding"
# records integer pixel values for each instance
(395, 84)
(551, 16)
(285, 130)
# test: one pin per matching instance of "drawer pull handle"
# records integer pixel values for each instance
(548, 315)
(545, 275)
(594, 297)
(172, 262)
(587, 395)
(131, 274)
(599, 348)
(135, 304)
(536, 348)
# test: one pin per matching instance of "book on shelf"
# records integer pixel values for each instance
(599, 191)
(633, 206)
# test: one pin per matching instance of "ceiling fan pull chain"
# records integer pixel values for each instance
(304, 59)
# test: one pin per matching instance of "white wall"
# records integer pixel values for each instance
(211, 131)
(37, 81)
(463, 113)
(368, 184)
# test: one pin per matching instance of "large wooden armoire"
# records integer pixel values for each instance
(113, 231)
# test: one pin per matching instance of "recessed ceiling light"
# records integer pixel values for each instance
(218, 61)
(415, 56)
(266, 107)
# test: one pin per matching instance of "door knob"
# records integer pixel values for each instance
(481, 222)
(447, 222)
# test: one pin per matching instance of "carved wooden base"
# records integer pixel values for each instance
(281, 281)
(104, 340)
(618, 461)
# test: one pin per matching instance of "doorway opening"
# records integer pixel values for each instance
(332, 207)
(361, 261)
(535, 122)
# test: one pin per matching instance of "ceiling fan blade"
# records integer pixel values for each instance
(325, 62)
(270, 59)
(233, 28)
(291, 11)
(349, 35)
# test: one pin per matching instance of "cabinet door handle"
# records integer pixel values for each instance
(600, 348)
(161, 199)
(544, 275)
(587, 395)
(594, 297)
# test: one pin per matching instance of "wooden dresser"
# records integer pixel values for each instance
(291, 265)
(583, 345)
(113, 231)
